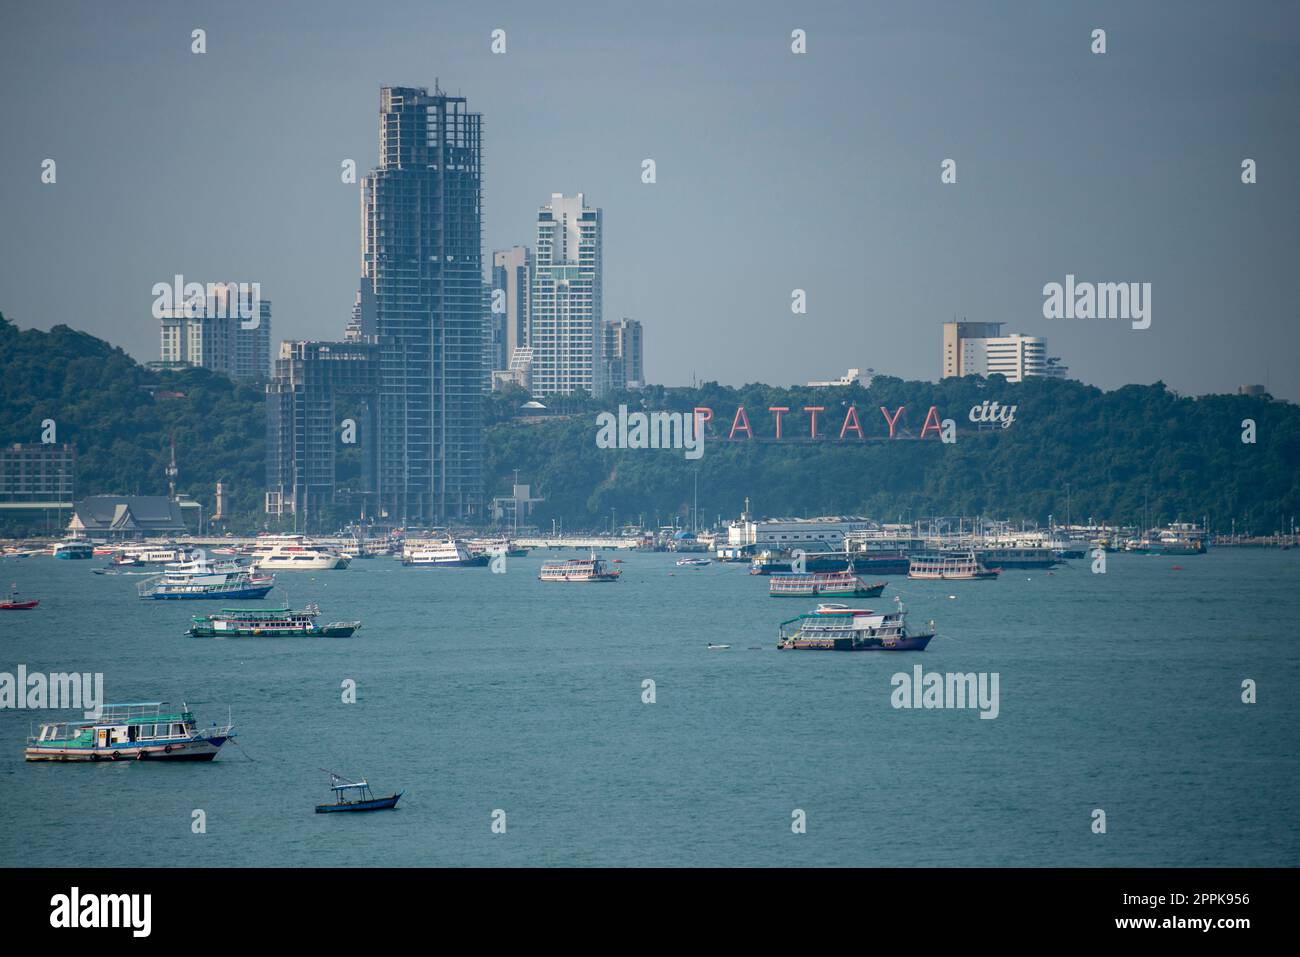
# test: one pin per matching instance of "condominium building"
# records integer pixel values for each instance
(228, 331)
(512, 279)
(565, 308)
(422, 305)
(980, 348)
(623, 349)
(38, 472)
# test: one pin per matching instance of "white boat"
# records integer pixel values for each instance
(73, 549)
(204, 578)
(440, 553)
(956, 565)
(693, 562)
(151, 554)
(294, 553)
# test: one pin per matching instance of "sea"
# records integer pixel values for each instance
(1147, 716)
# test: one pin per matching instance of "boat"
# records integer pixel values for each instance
(207, 579)
(841, 628)
(73, 550)
(1179, 538)
(130, 732)
(1017, 556)
(134, 555)
(495, 546)
(956, 565)
(591, 569)
(693, 562)
(441, 553)
(843, 584)
(364, 800)
(294, 553)
(269, 623)
(14, 603)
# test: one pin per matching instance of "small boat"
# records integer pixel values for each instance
(843, 584)
(269, 623)
(693, 562)
(956, 565)
(130, 732)
(591, 569)
(14, 603)
(364, 800)
(713, 647)
(841, 628)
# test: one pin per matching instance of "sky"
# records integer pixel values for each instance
(775, 171)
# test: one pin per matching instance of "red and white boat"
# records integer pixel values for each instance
(14, 603)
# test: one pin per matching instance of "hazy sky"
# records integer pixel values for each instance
(775, 171)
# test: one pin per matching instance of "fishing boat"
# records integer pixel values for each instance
(269, 623)
(73, 550)
(364, 800)
(130, 732)
(591, 569)
(14, 603)
(441, 553)
(206, 579)
(843, 584)
(841, 628)
(294, 553)
(693, 562)
(956, 565)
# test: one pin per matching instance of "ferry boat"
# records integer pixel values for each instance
(14, 603)
(294, 553)
(843, 584)
(958, 565)
(130, 732)
(1180, 538)
(73, 550)
(341, 787)
(206, 579)
(269, 623)
(444, 553)
(494, 546)
(841, 628)
(1017, 556)
(578, 570)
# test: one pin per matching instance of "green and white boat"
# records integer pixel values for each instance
(269, 623)
(130, 732)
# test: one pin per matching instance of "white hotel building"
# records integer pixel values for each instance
(565, 332)
(979, 348)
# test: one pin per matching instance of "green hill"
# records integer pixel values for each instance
(1112, 451)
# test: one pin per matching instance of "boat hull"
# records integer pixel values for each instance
(195, 749)
(909, 643)
(258, 591)
(18, 605)
(328, 631)
(815, 591)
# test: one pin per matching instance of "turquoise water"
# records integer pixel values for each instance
(480, 691)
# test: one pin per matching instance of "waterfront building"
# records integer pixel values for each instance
(980, 348)
(38, 473)
(212, 333)
(422, 305)
(116, 517)
(623, 349)
(825, 534)
(566, 303)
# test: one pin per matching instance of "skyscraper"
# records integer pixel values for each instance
(421, 260)
(565, 334)
(623, 351)
(512, 279)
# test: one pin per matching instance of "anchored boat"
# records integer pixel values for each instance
(14, 603)
(957, 565)
(843, 584)
(130, 732)
(294, 553)
(841, 628)
(207, 579)
(269, 623)
(578, 570)
(364, 800)
(73, 550)
(442, 553)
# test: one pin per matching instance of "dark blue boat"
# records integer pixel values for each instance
(364, 800)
